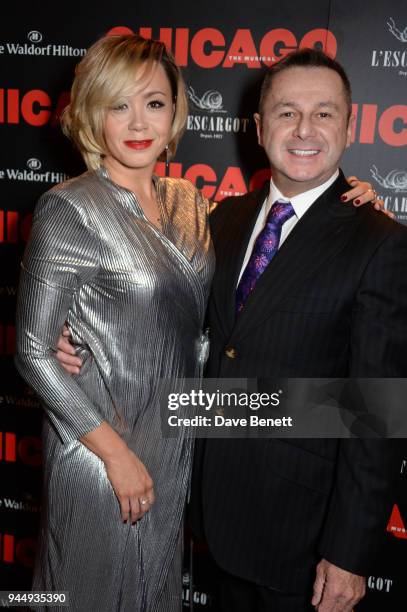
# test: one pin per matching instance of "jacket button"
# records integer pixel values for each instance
(230, 352)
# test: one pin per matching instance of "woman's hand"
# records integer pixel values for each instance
(66, 353)
(362, 192)
(127, 474)
(132, 484)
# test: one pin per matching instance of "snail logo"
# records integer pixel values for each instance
(34, 164)
(208, 118)
(401, 35)
(396, 180)
(34, 36)
(211, 101)
(392, 58)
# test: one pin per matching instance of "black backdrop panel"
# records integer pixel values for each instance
(224, 48)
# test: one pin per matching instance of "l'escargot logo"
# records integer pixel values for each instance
(394, 181)
(210, 126)
(401, 35)
(211, 101)
(392, 58)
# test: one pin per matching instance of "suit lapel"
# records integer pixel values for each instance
(323, 231)
(231, 245)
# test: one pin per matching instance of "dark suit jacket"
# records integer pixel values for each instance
(332, 303)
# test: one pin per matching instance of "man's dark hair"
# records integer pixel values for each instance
(306, 58)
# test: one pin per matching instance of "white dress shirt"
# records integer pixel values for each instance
(300, 204)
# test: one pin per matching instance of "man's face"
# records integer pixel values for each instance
(304, 127)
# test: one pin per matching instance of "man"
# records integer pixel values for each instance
(281, 516)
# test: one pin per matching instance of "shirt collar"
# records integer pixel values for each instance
(302, 201)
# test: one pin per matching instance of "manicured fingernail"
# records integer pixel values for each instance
(357, 202)
(344, 198)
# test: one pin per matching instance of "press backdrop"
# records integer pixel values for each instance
(224, 48)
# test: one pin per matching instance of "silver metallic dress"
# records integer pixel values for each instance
(135, 297)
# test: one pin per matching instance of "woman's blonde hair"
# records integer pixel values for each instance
(109, 70)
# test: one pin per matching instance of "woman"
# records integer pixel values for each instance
(125, 258)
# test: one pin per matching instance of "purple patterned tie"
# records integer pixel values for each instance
(264, 249)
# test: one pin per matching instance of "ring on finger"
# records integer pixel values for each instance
(143, 501)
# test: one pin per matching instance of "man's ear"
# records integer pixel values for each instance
(257, 120)
(349, 130)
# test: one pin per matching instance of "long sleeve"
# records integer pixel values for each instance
(62, 256)
(379, 325)
(361, 498)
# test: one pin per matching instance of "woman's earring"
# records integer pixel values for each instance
(167, 160)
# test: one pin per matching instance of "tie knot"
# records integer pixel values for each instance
(280, 212)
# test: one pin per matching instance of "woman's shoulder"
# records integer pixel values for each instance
(183, 191)
(72, 189)
(71, 198)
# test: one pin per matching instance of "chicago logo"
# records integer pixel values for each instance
(370, 123)
(14, 228)
(213, 187)
(26, 449)
(13, 550)
(392, 58)
(34, 107)
(396, 525)
(209, 47)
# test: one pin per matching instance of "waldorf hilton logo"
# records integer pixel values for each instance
(209, 117)
(392, 58)
(394, 181)
(33, 47)
(32, 173)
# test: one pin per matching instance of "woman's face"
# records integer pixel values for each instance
(138, 127)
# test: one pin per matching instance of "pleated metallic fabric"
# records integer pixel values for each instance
(134, 298)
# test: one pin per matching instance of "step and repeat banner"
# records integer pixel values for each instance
(224, 49)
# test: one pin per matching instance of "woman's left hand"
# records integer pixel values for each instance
(362, 192)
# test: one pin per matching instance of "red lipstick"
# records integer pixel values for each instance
(138, 145)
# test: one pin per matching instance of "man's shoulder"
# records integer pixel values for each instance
(229, 206)
(378, 226)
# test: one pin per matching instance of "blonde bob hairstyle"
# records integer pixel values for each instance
(108, 72)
